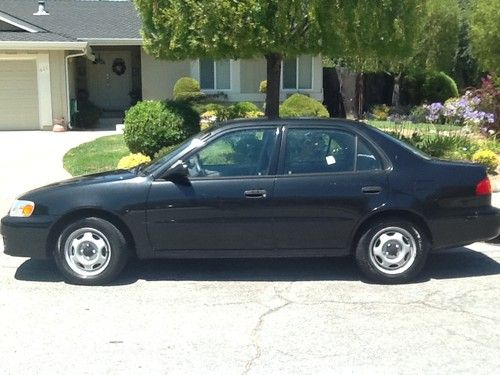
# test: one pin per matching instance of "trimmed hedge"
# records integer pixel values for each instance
(151, 125)
(187, 88)
(299, 105)
(429, 87)
(439, 87)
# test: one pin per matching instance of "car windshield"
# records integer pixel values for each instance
(191, 143)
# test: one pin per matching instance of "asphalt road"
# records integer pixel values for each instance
(306, 316)
(312, 316)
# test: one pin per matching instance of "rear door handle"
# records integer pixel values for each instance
(255, 193)
(371, 189)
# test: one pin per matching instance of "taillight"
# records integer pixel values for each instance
(484, 187)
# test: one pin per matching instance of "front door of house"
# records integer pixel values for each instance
(109, 80)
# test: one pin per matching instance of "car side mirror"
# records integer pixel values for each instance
(177, 173)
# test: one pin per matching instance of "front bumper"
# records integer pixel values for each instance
(26, 237)
(481, 225)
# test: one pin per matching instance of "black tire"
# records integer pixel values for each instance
(91, 251)
(390, 238)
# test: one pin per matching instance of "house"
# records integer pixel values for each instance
(56, 53)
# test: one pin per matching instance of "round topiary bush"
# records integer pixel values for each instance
(187, 88)
(151, 125)
(438, 87)
(263, 86)
(299, 105)
(241, 109)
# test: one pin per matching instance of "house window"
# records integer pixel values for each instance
(297, 73)
(215, 74)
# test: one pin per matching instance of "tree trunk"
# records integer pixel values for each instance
(273, 85)
(360, 95)
(395, 90)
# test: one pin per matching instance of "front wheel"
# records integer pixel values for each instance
(392, 251)
(91, 251)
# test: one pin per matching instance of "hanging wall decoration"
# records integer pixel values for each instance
(119, 66)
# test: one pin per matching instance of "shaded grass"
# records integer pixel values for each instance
(99, 155)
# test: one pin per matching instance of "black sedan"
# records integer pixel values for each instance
(261, 188)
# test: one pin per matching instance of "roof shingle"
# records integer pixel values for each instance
(74, 20)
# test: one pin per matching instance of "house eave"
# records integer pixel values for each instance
(113, 41)
(16, 22)
(32, 45)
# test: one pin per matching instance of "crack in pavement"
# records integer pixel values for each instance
(424, 302)
(260, 322)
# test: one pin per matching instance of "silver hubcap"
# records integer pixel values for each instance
(393, 250)
(87, 252)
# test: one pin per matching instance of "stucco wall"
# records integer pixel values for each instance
(58, 84)
(253, 72)
(159, 76)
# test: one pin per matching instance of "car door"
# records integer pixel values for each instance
(225, 204)
(328, 179)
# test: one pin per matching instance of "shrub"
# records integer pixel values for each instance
(488, 96)
(299, 105)
(254, 114)
(381, 112)
(152, 125)
(439, 145)
(213, 112)
(263, 87)
(439, 87)
(88, 114)
(165, 151)
(487, 158)
(240, 110)
(133, 160)
(464, 110)
(418, 114)
(187, 88)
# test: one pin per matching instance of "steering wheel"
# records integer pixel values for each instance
(196, 166)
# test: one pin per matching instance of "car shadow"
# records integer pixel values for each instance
(458, 263)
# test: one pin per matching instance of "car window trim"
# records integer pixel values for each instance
(272, 164)
(386, 164)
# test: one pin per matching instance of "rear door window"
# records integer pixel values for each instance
(319, 151)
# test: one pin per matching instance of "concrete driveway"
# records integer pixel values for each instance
(29, 159)
(307, 316)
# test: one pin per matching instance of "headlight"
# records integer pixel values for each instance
(22, 209)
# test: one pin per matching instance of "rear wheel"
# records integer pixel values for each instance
(392, 251)
(91, 251)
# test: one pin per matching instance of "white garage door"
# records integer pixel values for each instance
(18, 95)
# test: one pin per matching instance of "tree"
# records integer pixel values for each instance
(377, 36)
(374, 30)
(180, 29)
(438, 42)
(485, 34)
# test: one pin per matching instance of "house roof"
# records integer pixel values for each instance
(97, 22)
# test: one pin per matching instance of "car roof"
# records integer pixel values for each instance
(290, 121)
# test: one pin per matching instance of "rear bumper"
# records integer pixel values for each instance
(481, 225)
(26, 237)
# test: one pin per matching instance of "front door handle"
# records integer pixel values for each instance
(371, 189)
(255, 194)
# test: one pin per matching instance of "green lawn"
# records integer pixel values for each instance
(99, 155)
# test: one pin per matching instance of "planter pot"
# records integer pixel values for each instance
(58, 128)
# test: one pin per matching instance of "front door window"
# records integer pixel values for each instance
(236, 154)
